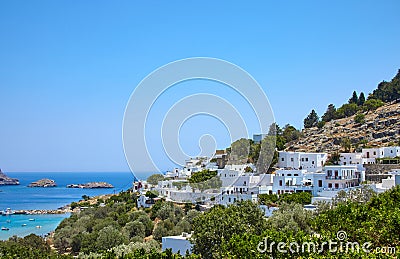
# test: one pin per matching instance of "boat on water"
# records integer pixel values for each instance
(7, 212)
(31, 219)
(8, 221)
(4, 229)
(38, 226)
(23, 225)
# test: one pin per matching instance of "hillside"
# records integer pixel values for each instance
(381, 128)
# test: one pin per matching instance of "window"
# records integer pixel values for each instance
(291, 159)
(283, 159)
(336, 185)
(302, 159)
(296, 174)
(306, 159)
(244, 183)
(229, 199)
(280, 182)
(374, 153)
(289, 175)
(312, 162)
(319, 183)
(330, 185)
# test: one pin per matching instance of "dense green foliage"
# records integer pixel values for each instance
(121, 227)
(31, 246)
(235, 231)
(205, 179)
(202, 176)
(155, 178)
(359, 118)
(363, 215)
(388, 91)
(221, 223)
(311, 120)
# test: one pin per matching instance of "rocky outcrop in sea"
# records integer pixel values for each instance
(43, 183)
(5, 180)
(91, 185)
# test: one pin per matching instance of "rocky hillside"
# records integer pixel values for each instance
(381, 128)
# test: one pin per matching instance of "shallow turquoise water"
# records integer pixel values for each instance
(48, 223)
(21, 197)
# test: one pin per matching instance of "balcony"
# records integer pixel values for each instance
(340, 178)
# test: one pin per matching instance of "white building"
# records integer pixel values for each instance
(312, 162)
(290, 181)
(388, 183)
(371, 154)
(351, 159)
(146, 202)
(177, 244)
(342, 176)
(243, 186)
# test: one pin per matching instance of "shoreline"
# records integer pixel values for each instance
(38, 212)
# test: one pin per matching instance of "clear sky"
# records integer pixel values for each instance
(67, 68)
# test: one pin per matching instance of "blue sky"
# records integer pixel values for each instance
(67, 69)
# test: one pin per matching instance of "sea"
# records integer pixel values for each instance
(21, 197)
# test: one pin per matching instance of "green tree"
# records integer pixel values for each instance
(354, 98)
(372, 104)
(155, 178)
(291, 218)
(359, 118)
(345, 143)
(347, 110)
(290, 133)
(311, 120)
(330, 113)
(110, 237)
(361, 99)
(222, 223)
(388, 91)
(268, 155)
(151, 194)
(135, 228)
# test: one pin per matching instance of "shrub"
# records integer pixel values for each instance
(360, 118)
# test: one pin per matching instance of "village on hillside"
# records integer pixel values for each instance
(296, 172)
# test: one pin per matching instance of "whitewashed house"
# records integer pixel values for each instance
(342, 176)
(244, 187)
(312, 162)
(290, 181)
(388, 183)
(146, 202)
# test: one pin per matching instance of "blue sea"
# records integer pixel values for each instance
(21, 197)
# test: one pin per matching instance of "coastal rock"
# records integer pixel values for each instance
(91, 185)
(5, 180)
(43, 183)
